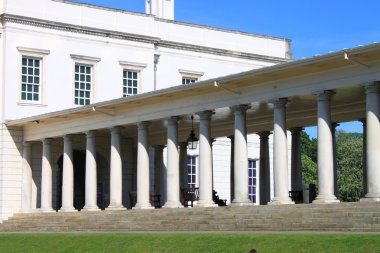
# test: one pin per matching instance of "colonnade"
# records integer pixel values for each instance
(326, 187)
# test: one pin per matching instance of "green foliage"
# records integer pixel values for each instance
(188, 242)
(309, 146)
(349, 152)
(309, 170)
(349, 149)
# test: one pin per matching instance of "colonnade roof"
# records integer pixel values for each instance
(344, 72)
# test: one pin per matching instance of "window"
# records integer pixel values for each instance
(83, 84)
(191, 172)
(84, 78)
(130, 83)
(252, 180)
(30, 79)
(188, 80)
(189, 76)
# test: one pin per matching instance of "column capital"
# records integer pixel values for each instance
(324, 95)
(183, 145)
(116, 129)
(264, 135)
(279, 102)
(143, 125)
(172, 120)
(159, 147)
(205, 114)
(335, 125)
(90, 133)
(46, 141)
(240, 108)
(372, 87)
(296, 130)
(27, 144)
(68, 137)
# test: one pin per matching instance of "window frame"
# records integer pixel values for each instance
(87, 61)
(135, 67)
(125, 84)
(194, 164)
(190, 75)
(254, 179)
(35, 54)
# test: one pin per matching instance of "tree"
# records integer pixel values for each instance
(349, 150)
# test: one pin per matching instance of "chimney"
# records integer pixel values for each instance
(160, 8)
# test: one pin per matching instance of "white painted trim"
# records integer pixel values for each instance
(85, 59)
(33, 51)
(190, 73)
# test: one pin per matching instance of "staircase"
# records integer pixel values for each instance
(353, 217)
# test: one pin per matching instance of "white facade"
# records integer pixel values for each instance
(62, 34)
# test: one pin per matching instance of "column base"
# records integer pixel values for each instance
(47, 210)
(281, 201)
(173, 205)
(67, 210)
(28, 210)
(371, 197)
(205, 203)
(116, 208)
(241, 203)
(323, 199)
(90, 209)
(142, 206)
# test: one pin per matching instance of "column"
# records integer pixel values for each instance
(264, 168)
(365, 184)
(296, 170)
(241, 157)
(325, 151)
(116, 172)
(143, 179)
(26, 177)
(280, 154)
(91, 174)
(183, 164)
(334, 126)
(46, 177)
(172, 185)
(373, 147)
(232, 171)
(205, 160)
(67, 176)
(158, 171)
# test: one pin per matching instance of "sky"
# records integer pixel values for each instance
(314, 26)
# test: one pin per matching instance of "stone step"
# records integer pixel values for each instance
(336, 217)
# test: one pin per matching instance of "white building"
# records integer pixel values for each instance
(59, 55)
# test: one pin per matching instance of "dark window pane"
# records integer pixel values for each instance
(76, 77)
(82, 69)
(24, 70)
(36, 80)
(23, 96)
(24, 79)
(36, 72)
(134, 75)
(88, 78)
(29, 96)
(37, 63)
(36, 88)
(254, 172)
(30, 88)
(23, 87)
(30, 62)
(76, 85)
(30, 71)
(82, 85)
(129, 74)
(76, 101)
(76, 68)
(24, 61)
(35, 97)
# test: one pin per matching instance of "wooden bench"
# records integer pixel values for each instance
(189, 195)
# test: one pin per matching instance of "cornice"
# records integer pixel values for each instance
(135, 37)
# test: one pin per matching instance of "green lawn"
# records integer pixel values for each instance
(181, 242)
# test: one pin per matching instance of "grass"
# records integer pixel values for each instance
(182, 242)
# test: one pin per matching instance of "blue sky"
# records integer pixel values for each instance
(315, 27)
